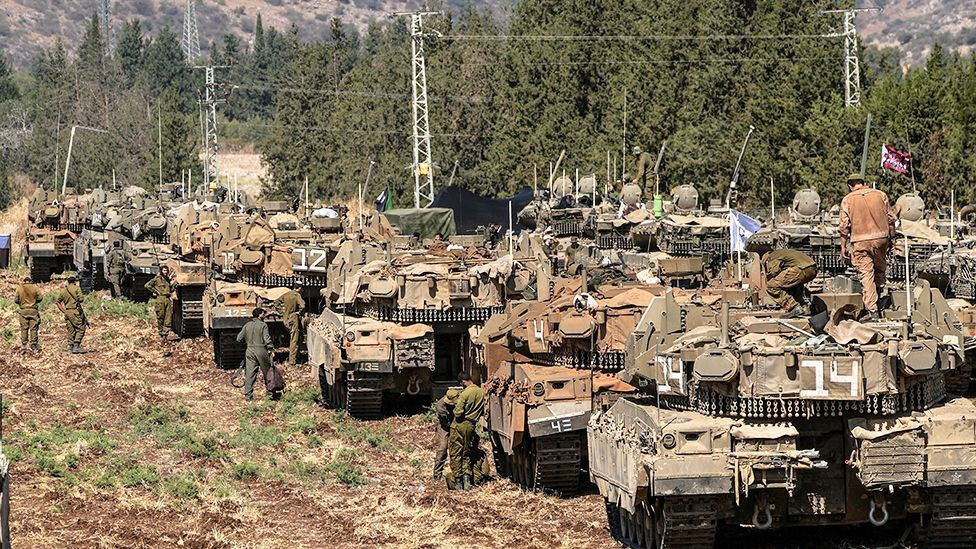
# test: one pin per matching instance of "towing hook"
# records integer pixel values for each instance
(765, 525)
(413, 386)
(872, 514)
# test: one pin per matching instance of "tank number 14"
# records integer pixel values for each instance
(310, 259)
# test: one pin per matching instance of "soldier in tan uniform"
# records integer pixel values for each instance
(69, 303)
(867, 227)
(645, 168)
(292, 307)
(28, 297)
(786, 273)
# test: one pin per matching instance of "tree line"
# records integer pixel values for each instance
(506, 96)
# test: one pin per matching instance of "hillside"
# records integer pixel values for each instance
(28, 25)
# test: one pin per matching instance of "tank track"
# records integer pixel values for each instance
(579, 358)
(549, 464)
(228, 353)
(953, 520)
(40, 269)
(427, 316)
(682, 522)
(363, 402)
(921, 396)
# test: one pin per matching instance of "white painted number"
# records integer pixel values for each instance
(561, 424)
(819, 390)
(310, 260)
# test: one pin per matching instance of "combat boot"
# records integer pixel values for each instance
(77, 350)
(466, 483)
(36, 347)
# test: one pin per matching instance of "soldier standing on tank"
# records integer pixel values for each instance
(787, 271)
(69, 302)
(115, 267)
(444, 409)
(256, 336)
(164, 292)
(645, 167)
(467, 412)
(867, 228)
(28, 297)
(292, 307)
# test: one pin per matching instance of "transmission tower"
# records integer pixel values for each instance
(104, 10)
(852, 66)
(191, 38)
(211, 174)
(423, 167)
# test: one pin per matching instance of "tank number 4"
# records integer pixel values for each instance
(309, 259)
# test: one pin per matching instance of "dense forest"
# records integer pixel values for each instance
(587, 77)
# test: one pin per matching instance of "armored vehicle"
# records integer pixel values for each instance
(449, 291)
(749, 419)
(141, 263)
(548, 365)
(564, 211)
(227, 306)
(55, 222)
(690, 232)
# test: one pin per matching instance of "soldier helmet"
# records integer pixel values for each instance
(636, 151)
(807, 203)
(910, 207)
(685, 198)
(452, 395)
(630, 194)
(855, 178)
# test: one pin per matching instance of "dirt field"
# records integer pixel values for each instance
(127, 447)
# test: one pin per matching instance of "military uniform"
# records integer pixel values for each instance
(28, 297)
(69, 300)
(116, 266)
(258, 340)
(467, 411)
(162, 288)
(292, 307)
(444, 409)
(786, 273)
(645, 169)
(867, 227)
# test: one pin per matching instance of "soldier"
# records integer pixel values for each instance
(115, 267)
(69, 302)
(292, 307)
(786, 272)
(28, 297)
(645, 167)
(444, 408)
(258, 340)
(467, 412)
(867, 227)
(164, 293)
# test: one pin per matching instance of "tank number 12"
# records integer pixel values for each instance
(310, 259)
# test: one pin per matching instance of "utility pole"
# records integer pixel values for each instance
(852, 66)
(191, 38)
(211, 175)
(423, 167)
(104, 14)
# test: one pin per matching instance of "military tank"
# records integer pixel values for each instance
(746, 419)
(56, 220)
(449, 291)
(688, 231)
(548, 364)
(227, 306)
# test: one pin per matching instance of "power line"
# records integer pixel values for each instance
(403, 133)
(627, 38)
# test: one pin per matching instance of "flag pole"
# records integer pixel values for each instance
(911, 165)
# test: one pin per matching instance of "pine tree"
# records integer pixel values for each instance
(130, 50)
(179, 142)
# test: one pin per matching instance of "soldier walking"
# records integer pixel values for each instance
(867, 227)
(256, 336)
(787, 271)
(28, 297)
(292, 307)
(69, 302)
(163, 292)
(467, 412)
(444, 408)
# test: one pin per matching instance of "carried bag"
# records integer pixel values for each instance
(273, 380)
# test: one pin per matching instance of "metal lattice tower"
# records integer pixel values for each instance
(104, 10)
(852, 65)
(191, 38)
(423, 166)
(211, 173)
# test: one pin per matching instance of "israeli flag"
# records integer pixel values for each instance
(741, 227)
